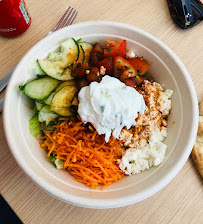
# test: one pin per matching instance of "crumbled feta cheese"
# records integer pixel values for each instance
(102, 70)
(130, 54)
(158, 136)
(164, 101)
(135, 160)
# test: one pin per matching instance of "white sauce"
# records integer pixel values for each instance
(109, 106)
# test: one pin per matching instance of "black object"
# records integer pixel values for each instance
(7, 215)
(186, 13)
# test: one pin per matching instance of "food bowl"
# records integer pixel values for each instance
(165, 67)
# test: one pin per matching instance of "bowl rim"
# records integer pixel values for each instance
(95, 203)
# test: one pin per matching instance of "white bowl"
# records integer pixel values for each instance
(165, 67)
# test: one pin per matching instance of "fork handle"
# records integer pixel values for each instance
(1, 104)
(5, 79)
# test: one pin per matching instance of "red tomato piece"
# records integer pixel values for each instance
(139, 64)
(83, 82)
(96, 55)
(123, 69)
(115, 48)
(130, 82)
(138, 80)
(94, 75)
(80, 70)
(108, 65)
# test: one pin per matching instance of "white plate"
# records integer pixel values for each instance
(165, 67)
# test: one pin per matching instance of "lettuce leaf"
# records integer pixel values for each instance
(59, 163)
(21, 88)
(52, 158)
(34, 126)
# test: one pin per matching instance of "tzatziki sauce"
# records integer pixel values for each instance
(110, 106)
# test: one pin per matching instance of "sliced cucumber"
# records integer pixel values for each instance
(67, 83)
(79, 40)
(40, 89)
(63, 97)
(55, 64)
(67, 74)
(81, 55)
(39, 105)
(75, 101)
(34, 69)
(80, 58)
(45, 114)
(87, 50)
(48, 100)
(40, 101)
(65, 112)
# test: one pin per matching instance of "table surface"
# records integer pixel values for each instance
(181, 201)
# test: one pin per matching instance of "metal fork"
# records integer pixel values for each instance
(66, 20)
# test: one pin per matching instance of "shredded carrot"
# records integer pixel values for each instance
(87, 157)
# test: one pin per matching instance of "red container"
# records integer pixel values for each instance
(14, 18)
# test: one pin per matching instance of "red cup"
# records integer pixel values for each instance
(14, 18)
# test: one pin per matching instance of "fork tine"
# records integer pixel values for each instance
(68, 21)
(67, 17)
(60, 21)
(71, 20)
